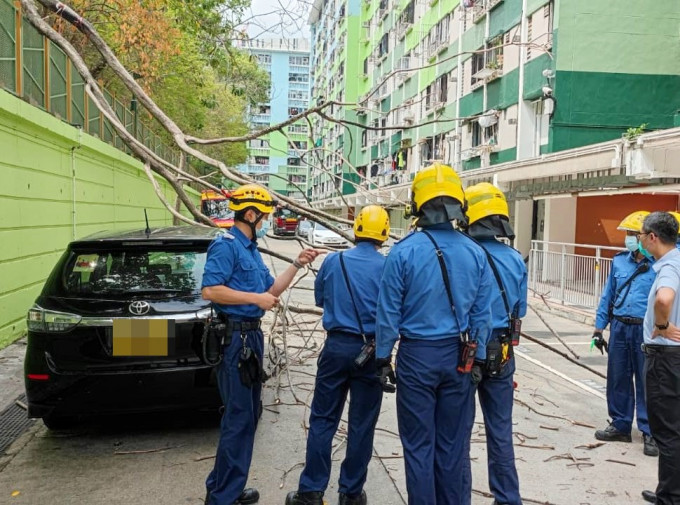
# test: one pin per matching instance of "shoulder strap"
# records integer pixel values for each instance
(499, 281)
(641, 268)
(445, 277)
(351, 295)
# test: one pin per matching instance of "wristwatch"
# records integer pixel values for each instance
(662, 326)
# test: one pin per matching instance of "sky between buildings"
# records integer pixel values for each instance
(279, 18)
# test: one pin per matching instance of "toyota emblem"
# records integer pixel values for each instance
(139, 308)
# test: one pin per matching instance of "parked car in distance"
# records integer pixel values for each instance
(303, 228)
(117, 327)
(284, 222)
(318, 234)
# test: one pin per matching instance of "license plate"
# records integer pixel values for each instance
(143, 337)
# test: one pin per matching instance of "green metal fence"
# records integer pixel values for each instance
(35, 69)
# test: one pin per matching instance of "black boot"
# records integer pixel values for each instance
(344, 499)
(248, 496)
(649, 446)
(308, 498)
(649, 496)
(611, 434)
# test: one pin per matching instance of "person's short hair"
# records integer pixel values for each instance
(663, 225)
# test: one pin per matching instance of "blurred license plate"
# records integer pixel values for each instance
(143, 337)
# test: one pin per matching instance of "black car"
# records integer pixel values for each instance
(118, 327)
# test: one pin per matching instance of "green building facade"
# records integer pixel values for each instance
(481, 82)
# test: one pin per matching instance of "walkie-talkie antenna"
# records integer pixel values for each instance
(148, 230)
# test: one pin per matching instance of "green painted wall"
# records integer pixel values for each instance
(618, 66)
(472, 103)
(503, 92)
(37, 215)
(504, 16)
(606, 104)
(533, 76)
(631, 37)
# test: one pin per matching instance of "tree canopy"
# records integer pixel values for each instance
(182, 53)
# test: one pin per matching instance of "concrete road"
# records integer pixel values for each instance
(165, 459)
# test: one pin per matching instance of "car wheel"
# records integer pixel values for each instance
(56, 422)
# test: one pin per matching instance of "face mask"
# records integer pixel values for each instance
(631, 243)
(263, 230)
(643, 251)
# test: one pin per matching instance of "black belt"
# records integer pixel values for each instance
(660, 349)
(345, 333)
(232, 326)
(629, 320)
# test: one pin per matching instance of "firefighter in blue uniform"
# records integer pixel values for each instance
(489, 220)
(240, 287)
(435, 389)
(623, 305)
(346, 287)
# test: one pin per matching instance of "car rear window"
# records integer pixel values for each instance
(111, 272)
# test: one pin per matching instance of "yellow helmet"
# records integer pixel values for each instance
(436, 180)
(676, 215)
(251, 195)
(372, 223)
(633, 222)
(485, 200)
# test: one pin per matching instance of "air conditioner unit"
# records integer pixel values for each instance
(409, 117)
(366, 24)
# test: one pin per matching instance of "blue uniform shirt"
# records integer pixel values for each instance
(364, 268)
(234, 261)
(513, 274)
(667, 276)
(413, 301)
(630, 302)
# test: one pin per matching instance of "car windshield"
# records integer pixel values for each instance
(319, 227)
(305, 225)
(286, 214)
(116, 272)
(217, 209)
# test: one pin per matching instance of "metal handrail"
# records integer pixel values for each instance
(571, 278)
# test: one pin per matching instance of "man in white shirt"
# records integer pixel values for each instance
(662, 349)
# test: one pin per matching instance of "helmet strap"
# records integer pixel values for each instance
(241, 216)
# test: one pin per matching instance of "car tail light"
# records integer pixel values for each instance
(279, 222)
(38, 377)
(40, 319)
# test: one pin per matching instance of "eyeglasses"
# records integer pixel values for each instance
(641, 234)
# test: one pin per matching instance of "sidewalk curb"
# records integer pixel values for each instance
(555, 309)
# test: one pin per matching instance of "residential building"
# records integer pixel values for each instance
(505, 91)
(335, 33)
(277, 159)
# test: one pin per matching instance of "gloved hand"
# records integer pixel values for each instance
(477, 372)
(385, 372)
(599, 342)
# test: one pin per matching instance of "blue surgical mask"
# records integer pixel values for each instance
(631, 243)
(643, 251)
(263, 230)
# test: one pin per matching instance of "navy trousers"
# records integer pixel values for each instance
(496, 399)
(239, 421)
(625, 372)
(433, 405)
(335, 377)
